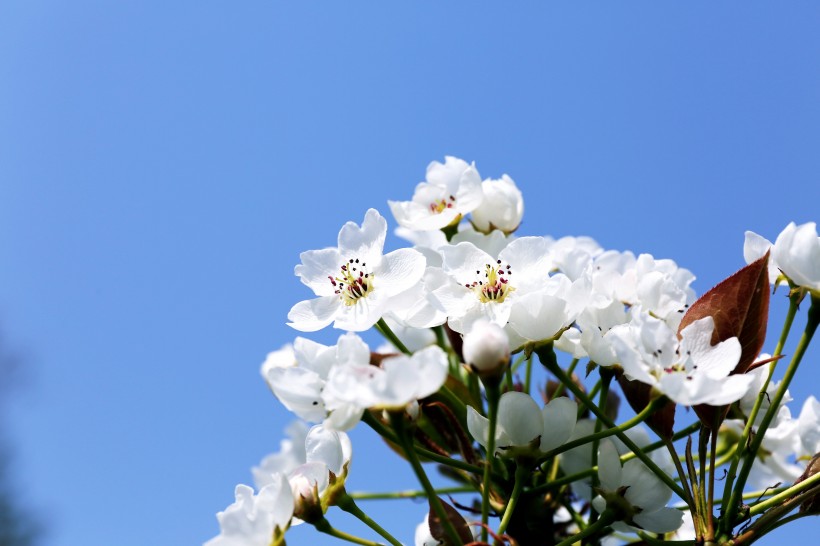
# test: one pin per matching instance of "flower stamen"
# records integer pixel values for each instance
(353, 283)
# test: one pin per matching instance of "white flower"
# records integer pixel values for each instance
(290, 455)
(399, 381)
(502, 207)
(524, 428)
(355, 282)
(485, 288)
(253, 519)
(796, 253)
(645, 495)
(691, 371)
(299, 382)
(486, 348)
(452, 190)
(808, 427)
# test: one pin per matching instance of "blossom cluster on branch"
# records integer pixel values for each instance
(468, 314)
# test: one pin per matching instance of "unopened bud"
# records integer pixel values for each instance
(502, 207)
(486, 349)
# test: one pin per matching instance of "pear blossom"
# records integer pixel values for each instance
(522, 427)
(690, 371)
(795, 253)
(452, 189)
(399, 381)
(502, 207)
(636, 495)
(255, 520)
(299, 381)
(486, 288)
(355, 283)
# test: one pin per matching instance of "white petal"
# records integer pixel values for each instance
(276, 499)
(315, 314)
(316, 267)
(478, 426)
(558, 419)
(365, 242)
(646, 490)
(520, 418)
(754, 247)
(609, 466)
(399, 271)
(664, 520)
(325, 446)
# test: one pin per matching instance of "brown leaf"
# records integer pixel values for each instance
(460, 524)
(739, 306)
(638, 396)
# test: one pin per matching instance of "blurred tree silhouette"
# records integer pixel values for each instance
(17, 526)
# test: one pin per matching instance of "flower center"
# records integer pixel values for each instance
(494, 286)
(353, 283)
(437, 207)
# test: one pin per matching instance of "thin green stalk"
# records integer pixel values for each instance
(747, 430)
(346, 503)
(528, 376)
(408, 494)
(547, 357)
(324, 526)
(606, 378)
(397, 420)
(606, 518)
(784, 495)
(493, 394)
(521, 473)
(774, 406)
(385, 330)
(688, 499)
(571, 368)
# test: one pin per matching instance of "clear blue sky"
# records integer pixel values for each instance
(162, 164)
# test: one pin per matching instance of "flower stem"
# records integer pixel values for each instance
(784, 495)
(493, 395)
(762, 395)
(397, 420)
(547, 357)
(410, 494)
(528, 376)
(774, 405)
(521, 473)
(346, 503)
(324, 526)
(385, 330)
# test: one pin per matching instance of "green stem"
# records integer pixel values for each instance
(528, 376)
(346, 503)
(493, 395)
(606, 518)
(521, 473)
(784, 495)
(324, 526)
(747, 430)
(571, 368)
(688, 499)
(409, 494)
(547, 357)
(774, 406)
(397, 420)
(385, 330)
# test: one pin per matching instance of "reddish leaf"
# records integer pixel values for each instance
(459, 523)
(739, 305)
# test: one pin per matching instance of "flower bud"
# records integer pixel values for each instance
(502, 207)
(486, 349)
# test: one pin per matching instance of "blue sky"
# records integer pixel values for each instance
(163, 164)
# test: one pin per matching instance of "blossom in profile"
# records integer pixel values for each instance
(795, 253)
(256, 520)
(355, 283)
(689, 371)
(452, 189)
(635, 495)
(502, 207)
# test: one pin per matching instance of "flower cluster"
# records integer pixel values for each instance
(466, 311)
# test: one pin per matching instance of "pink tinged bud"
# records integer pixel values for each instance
(486, 349)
